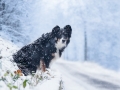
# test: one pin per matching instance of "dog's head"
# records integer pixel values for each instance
(62, 36)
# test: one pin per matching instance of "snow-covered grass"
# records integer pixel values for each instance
(9, 80)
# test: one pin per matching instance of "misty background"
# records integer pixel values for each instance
(95, 26)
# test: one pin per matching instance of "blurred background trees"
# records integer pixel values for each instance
(95, 24)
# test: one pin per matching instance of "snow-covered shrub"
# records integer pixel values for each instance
(17, 81)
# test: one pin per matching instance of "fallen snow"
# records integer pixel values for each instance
(67, 74)
(87, 76)
(51, 82)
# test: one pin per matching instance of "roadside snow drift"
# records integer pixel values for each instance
(50, 80)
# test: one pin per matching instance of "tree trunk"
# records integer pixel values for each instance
(85, 46)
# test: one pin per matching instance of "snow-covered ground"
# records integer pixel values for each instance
(37, 82)
(87, 76)
(65, 74)
(23, 21)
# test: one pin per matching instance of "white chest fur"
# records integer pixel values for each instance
(56, 55)
(58, 45)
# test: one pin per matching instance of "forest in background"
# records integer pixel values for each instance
(95, 24)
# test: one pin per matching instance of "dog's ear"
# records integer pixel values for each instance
(55, 30)
(68, 29)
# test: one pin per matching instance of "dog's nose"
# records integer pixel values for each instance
(63, 41)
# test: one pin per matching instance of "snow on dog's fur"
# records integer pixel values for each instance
(40, 53)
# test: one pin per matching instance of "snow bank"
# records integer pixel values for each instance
(50, 80)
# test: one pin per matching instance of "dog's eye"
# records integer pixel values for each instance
(63, 41)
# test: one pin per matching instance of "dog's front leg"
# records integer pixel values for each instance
(42, 66)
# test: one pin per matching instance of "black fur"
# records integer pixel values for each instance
(28, 58)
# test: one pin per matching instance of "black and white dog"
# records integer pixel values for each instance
(45, 49)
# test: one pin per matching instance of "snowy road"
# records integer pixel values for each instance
(87, 77)
(76, 75)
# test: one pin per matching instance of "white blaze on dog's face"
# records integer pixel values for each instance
(62, 36)
(61, 43)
